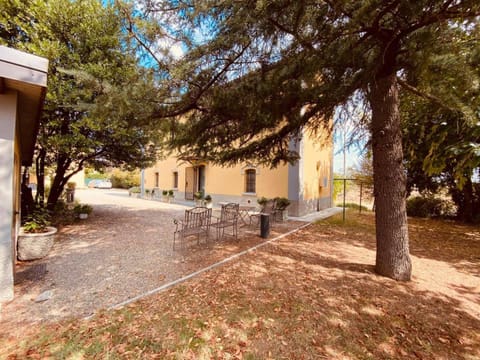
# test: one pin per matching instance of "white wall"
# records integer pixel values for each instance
(8, 113)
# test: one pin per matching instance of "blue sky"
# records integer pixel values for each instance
(352, 158)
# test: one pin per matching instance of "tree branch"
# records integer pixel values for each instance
(140, 41)
(293, 33)
(423, 95)
(193, 102)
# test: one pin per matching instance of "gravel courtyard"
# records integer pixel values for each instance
(122, 251)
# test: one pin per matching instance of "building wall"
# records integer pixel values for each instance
(8, 167)
(165, 169)
(311, 178)
(307, 184)
(221, 183)
(317, 176)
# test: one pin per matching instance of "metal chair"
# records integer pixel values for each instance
(197, 222)
(228, 218)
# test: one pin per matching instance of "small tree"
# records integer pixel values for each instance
(97, 110)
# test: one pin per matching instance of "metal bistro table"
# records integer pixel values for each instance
(246, 213)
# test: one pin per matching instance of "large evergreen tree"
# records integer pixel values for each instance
(441, 120)
(255, 72)
(98, 105)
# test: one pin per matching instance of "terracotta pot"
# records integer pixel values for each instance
(31, 246)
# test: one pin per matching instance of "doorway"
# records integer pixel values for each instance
(194, 181)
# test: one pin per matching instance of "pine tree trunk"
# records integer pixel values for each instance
(393, 259)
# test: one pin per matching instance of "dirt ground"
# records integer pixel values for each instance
(311, 295)
(122, 251)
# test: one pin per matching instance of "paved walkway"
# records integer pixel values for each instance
(122, 251)
(318, 215)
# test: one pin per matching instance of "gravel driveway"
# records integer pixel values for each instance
(123, 250)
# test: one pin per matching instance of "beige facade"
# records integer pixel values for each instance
(307, 184)
(314, 172)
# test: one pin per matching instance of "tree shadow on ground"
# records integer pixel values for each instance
(444, 240)
(303, 297)
(113, 256)
(333, 308)
(30, 273)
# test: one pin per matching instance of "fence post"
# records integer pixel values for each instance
(344, 193)
(361, 186)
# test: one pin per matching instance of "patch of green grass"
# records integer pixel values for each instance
(353, 221)
(354, 206)
(95, 349)
(250, 356)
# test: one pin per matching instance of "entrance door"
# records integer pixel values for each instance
(189, 183)
(201, 179)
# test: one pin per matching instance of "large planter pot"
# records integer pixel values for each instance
(282, 215)
(35, 246)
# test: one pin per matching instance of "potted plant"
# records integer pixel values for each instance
(82, 211)
(36, 236)
(165, 195)
(170, 195)
(208, 201)
(281, 205)
(262, 201)
(134, 190)
(198, 196)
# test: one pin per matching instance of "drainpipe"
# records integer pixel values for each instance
(142, 183)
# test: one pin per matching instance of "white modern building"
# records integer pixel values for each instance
(23, 82)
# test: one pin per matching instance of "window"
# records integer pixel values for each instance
(156, 179)
(250, 180)
(175, 179)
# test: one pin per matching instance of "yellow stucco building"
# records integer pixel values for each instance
(307, 184)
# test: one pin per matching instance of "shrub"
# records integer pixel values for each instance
(262, 201)
(124, 179)
(37, 221)
(428, 206)
(63, 214)
(134, 190)
(338, 186)
(82, 209)
(165, 193)
(282, 203)
(170, 193)
(208, 198)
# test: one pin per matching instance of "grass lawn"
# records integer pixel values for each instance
(312, 295)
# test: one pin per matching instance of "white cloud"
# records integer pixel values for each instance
(176, 51)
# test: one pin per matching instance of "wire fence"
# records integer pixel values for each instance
(353, 193)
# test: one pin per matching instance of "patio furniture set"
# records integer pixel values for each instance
(199, 221)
